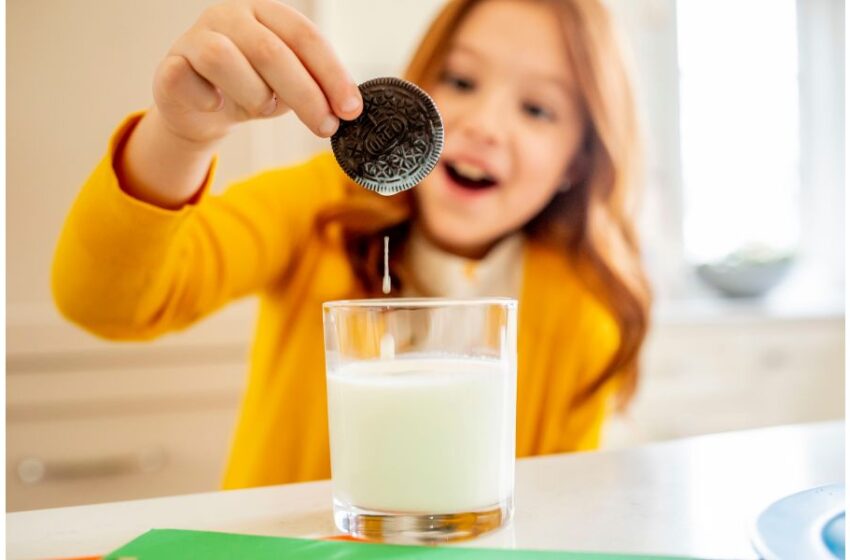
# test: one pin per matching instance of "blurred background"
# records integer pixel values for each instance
(743, 225)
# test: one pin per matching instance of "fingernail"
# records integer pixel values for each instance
(350, 104)
(329, 126)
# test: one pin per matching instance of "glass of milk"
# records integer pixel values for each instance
(422, 414)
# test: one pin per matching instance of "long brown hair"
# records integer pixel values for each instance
(592, 221)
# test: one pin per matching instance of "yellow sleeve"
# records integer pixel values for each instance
(585, 419)
(125, 269)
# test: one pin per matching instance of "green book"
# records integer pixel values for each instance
(177, 544)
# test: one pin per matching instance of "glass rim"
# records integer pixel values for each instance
(418, 302)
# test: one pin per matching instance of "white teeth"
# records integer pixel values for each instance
(470, 171)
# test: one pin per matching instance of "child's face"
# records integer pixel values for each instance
(512, 123)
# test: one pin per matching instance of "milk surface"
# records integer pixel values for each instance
(422, 435)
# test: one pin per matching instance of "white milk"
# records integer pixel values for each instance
(422, 435)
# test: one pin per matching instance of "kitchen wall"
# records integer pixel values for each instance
(91, 421)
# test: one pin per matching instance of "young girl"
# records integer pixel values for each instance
(533, 198)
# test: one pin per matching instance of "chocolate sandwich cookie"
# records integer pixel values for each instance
(395, 142)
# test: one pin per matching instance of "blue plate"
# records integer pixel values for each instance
(808, 524)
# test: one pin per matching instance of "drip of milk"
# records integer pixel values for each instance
(387, 287)
(387, 347)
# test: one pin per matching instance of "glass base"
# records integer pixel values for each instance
(412, 528)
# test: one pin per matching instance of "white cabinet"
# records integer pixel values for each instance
(60, 459)
(703, 376)
(89, 421)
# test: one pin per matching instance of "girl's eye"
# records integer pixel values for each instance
(457, 82)
(536, 111)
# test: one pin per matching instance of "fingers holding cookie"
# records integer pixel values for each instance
(315, 53)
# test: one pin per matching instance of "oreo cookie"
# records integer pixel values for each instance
(395, 142)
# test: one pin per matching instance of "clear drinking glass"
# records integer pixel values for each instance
(422, 414)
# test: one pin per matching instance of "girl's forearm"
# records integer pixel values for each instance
(159, 167)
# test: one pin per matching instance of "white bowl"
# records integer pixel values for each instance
(739, 278)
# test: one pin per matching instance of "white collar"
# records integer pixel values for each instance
(437, 273)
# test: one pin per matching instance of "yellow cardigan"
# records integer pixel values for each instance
(125, 270)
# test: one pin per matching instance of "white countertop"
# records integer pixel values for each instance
(692, 497)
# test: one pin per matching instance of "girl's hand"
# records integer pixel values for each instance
(251, 59)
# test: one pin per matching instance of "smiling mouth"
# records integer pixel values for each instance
(469, 176)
